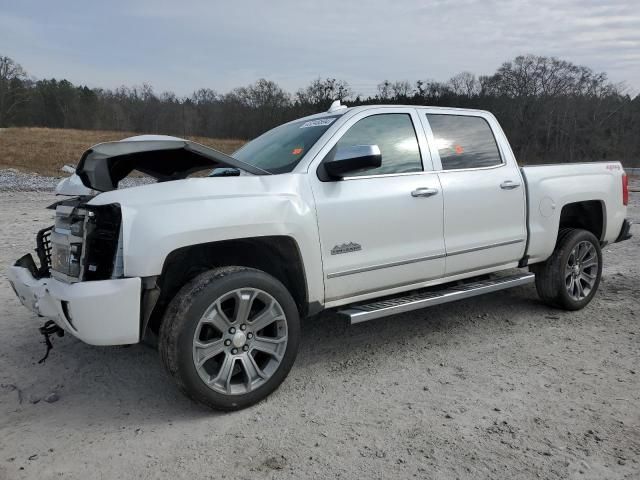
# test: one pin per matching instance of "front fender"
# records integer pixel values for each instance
(158, 219)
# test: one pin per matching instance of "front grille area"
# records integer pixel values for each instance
(43, 249)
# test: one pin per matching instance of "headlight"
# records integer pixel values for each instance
(65, 257)
(59, 258)
(77, 227)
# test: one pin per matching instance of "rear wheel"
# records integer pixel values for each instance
(230, 336)
(570, 277)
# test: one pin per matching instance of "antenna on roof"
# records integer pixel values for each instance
(336, 106)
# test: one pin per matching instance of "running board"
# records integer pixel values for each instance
(415, 301)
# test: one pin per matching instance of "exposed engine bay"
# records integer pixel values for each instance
(163, 158)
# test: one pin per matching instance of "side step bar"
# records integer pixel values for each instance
(415, 301)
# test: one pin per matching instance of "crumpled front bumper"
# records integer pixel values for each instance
(102, 312)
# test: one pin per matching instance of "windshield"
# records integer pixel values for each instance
(279, 150)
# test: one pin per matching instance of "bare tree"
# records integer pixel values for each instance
(531, 75)
(385, 90)
(395, 91)
(12, 92)
(263, 93)
(402, 89)
(430, 90)
(320, 93)
(205, 96)
(464, 84)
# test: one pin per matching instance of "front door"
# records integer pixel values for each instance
(381, 228)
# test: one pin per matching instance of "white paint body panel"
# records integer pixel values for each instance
(477, 214)
(160, 218)
(353, 211)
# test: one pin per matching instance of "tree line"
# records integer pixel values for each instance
(552, 110)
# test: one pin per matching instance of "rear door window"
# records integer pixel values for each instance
(464, 141)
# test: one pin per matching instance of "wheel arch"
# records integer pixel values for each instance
(588, 215)
(277, 255)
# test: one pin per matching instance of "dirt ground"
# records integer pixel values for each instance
(494, 387)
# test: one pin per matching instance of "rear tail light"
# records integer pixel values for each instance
(625, 189)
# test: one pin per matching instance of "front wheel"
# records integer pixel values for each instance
(230, 337)
(570, 277)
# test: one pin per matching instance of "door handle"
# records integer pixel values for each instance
(509, 185)
(424, 192)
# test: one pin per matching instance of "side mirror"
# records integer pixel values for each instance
(350, 159)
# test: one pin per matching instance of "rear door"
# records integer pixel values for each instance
(484, 198)
(380, 229)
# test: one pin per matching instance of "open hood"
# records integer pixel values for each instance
(161, 157)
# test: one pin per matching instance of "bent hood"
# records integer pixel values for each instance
(161, 157)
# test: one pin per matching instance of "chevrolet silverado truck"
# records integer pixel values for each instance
(369, 211)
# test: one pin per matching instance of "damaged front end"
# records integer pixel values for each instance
(79, 281)
(86, 242)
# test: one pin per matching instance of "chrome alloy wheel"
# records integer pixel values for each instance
(240, 341)
(581, 270)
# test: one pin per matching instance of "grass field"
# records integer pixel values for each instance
(46, 150)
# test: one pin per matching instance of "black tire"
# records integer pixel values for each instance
(551, 276)
(182, 319)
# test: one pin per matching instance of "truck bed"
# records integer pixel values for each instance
(550, 187)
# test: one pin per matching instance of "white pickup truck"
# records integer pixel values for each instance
(371, 211)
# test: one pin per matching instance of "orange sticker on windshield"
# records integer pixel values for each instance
(296, 151)
(459, 149)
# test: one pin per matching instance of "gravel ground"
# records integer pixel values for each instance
(12, 180)
(494, 387)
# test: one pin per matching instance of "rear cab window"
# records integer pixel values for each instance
(464, 141)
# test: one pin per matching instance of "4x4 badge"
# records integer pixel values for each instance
(346, 248)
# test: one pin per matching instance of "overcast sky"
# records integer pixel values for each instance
(182, 45)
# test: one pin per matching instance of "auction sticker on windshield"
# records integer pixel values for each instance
(318, 123)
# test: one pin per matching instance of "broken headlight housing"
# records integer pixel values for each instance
(67, 239)
(84, 242)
